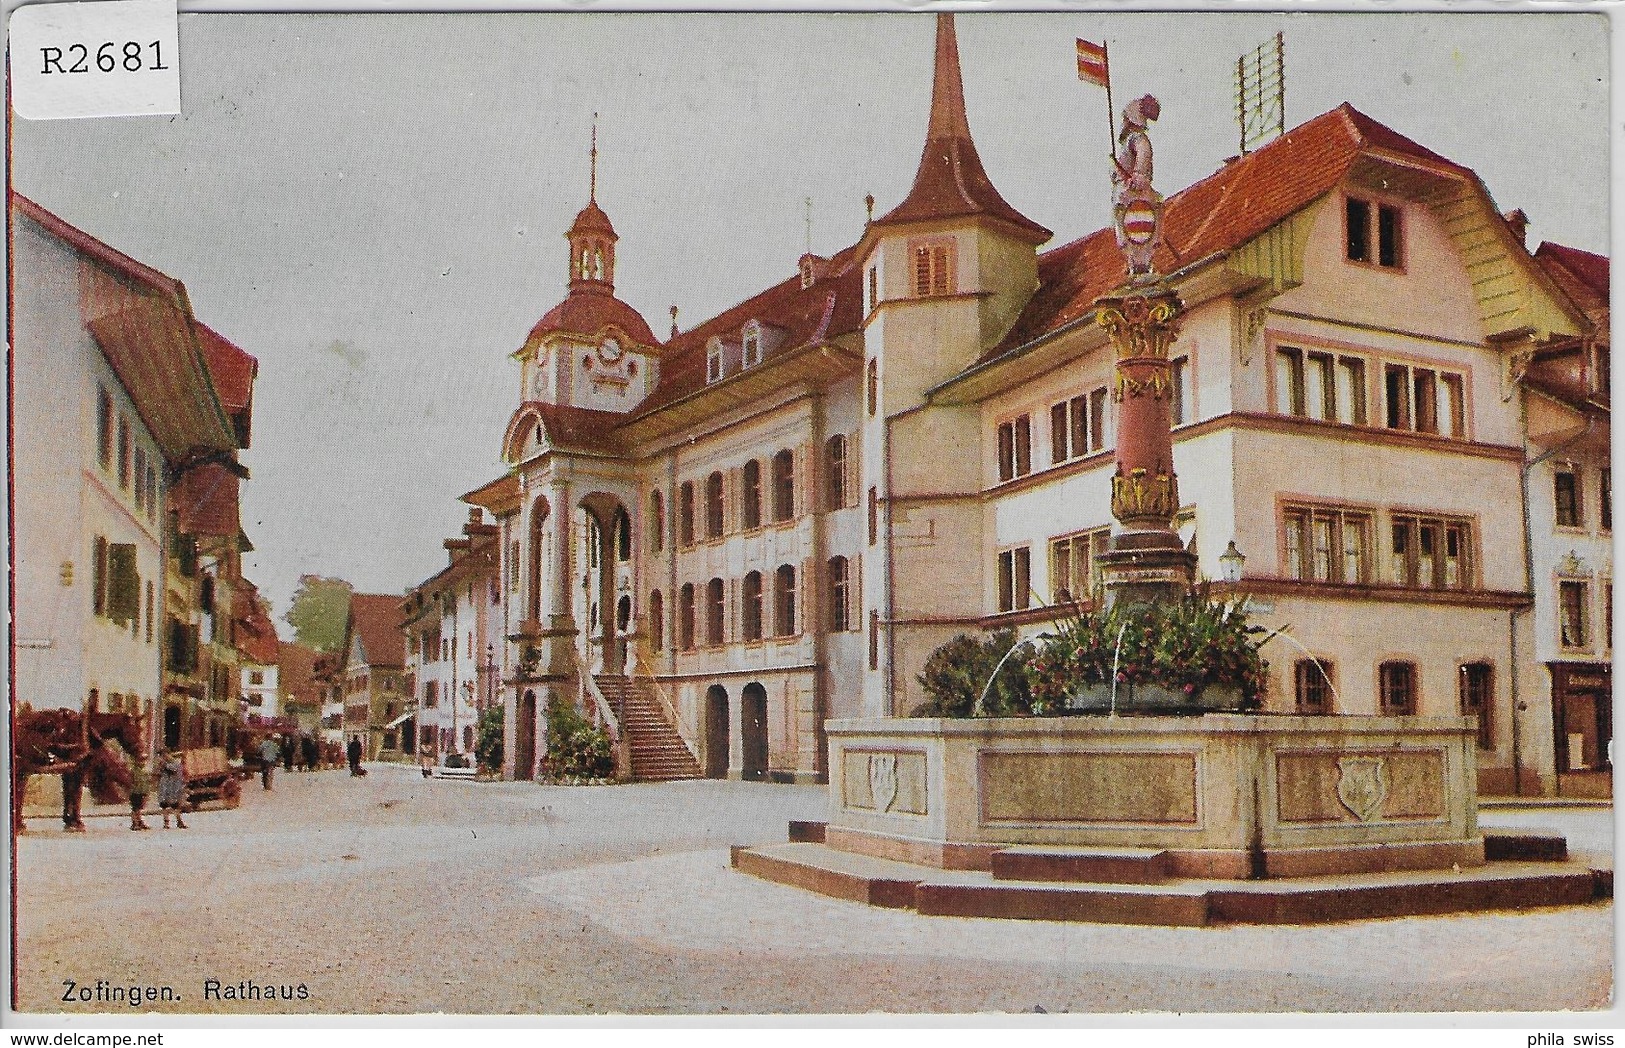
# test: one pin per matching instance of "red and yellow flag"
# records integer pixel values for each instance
(1092, 63)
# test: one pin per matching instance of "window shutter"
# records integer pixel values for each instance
(124, 583)
(98, 578)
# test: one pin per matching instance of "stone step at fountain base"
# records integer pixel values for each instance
(1089, 865)
(1175, 902)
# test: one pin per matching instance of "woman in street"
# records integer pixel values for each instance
(140, 786)
(172, 789)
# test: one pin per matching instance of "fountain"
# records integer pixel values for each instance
(1140, 815)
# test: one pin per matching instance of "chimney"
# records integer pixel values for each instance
(1518, 222)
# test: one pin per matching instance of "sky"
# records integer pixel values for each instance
(374, 205)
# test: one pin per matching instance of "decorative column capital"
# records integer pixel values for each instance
(1141, 325)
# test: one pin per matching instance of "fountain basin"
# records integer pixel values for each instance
(1223, 795)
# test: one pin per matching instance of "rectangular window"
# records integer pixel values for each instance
(874, 639)
(1388, 233)
(1606, 488)
(1478, 700)
(124, 453)
(104, 428)
(1015, 579)
(1074, 564)
(751, 354)
(713, 363)
(1015, 448)
(874, 517)
(98, 577)
(1566, 494)
(1357, 224)
(1060, 447)
(1319, 385)
(1312, 687)
(933, 269)
(1327, 544)
(123, 583)
(874, 287)
(1424, 400)
(1179, 406)
(871, 385)
(1097, 419)
(1396, 682)
(513, 565)
(140, 478)
(685, 513)
(1572, 602)
(835, 472)
(1431, 552)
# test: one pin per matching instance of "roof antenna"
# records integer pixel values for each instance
(673, 321)
(809, 226)
(592, 184)
(1261, 92)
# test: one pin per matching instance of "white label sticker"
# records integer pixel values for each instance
(117, 58)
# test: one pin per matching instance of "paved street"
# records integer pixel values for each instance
(396, 894)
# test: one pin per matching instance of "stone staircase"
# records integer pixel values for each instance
(658, 752)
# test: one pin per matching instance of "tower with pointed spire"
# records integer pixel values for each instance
(946, 272)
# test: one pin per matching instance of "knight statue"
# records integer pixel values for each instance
(1136, 207)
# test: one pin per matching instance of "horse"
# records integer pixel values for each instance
(65, 742)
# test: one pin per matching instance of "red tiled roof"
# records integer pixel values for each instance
(580, 429)
(257, 633)
(375, 617)
(232, 369)
(588, 310)
(205, 497)
(1223, 211)
(831, 307)
(950, 181)
(1582, 275)
(498, 496)
(592, 219)
(296, 670)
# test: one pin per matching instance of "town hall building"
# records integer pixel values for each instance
(741, 530)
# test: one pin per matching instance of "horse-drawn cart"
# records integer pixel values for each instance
(210, 777)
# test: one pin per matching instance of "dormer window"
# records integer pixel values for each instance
(807, 275)
(713, 361)
(752, 354)
(933, 262)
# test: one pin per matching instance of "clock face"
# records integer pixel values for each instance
(610, 350)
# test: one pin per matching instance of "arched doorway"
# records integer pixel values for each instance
(753, 714)
(608, 531)
(716, 732)
(524, 743)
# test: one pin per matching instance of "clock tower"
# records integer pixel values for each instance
(592, 350)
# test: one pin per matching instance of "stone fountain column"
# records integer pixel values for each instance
(1146, 562)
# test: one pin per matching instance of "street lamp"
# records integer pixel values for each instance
(490, 671)
(1231, 562)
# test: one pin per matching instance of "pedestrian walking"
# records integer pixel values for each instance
(268, 759)
(140, 786)
(307, 746)
(172, 789)
(353, 751)
(287, 753)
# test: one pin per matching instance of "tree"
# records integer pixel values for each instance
(321, 607)
(488, 746)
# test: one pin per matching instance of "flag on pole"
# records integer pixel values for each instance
(1092, 63)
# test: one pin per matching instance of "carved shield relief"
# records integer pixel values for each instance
(1362, 785)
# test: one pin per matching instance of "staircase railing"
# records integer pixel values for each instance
(638, 655)
(593, 699)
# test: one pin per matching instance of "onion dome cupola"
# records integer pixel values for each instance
(592, 350)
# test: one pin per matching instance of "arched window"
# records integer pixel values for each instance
(657, 522)
(1396, 682)
(784, 486)
(623, 536)
(623, 614)
(751, 509)
(685, 617)
(713, 612)
(657, 622)
(835, 472)
(685, 513)
(752, 626)
(840, 616)
(784, 601)
(713, 506)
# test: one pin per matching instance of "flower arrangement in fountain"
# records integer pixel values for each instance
(1187, 647)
